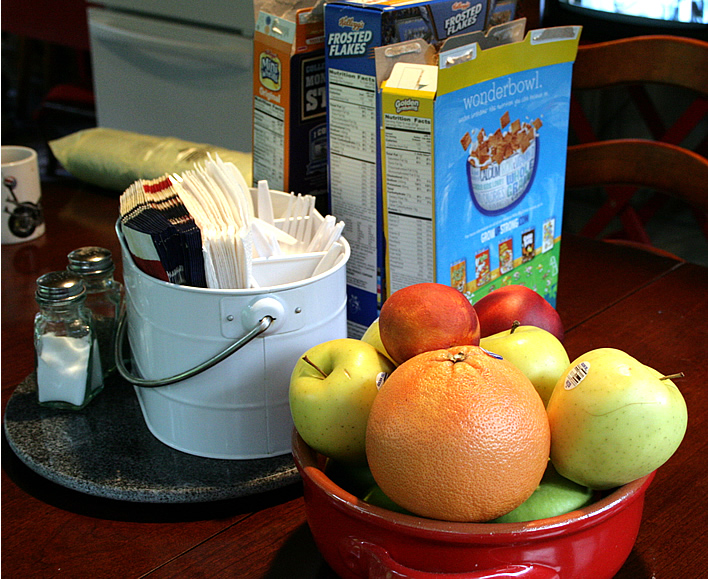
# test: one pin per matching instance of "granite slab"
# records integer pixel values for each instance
(107, 450)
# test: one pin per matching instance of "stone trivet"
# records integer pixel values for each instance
(107, 450)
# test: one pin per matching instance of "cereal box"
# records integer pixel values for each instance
(353, 30)
(289, 104)
(474, 150)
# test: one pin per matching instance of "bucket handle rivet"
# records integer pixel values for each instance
(264, 305)
(298, 310)
(230, 318)
(262, 325)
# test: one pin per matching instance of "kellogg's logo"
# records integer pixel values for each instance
(349, 22)
(270, 71)
(457, 6)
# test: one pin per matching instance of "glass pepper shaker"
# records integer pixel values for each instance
(67, 361)
(103, 296)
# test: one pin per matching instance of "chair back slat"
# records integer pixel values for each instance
(651, 164)
(660, 59)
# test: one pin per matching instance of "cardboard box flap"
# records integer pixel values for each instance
(276, 27)
(454, 50)
(555, 34)
(416, 51)
(285, 9)
(415, 77)
(538, 49)
(460, 48)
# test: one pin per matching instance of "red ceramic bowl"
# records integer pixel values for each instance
(361, 540)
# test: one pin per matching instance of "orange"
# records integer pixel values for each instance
(458, 435)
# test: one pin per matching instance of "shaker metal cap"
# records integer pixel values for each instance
(59, 286)
(91, 261)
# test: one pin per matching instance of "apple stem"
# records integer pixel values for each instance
(673, 376)
(306, 359)
(514, 325)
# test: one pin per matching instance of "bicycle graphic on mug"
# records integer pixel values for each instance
(25, 216)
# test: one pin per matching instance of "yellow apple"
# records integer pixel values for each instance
(613, 419)
(536, 352)
(373, 337)
(332, 388)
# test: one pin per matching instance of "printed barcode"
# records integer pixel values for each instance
(380, 379)
(576, 375)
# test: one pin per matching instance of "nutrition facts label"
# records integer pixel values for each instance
(351, 108)
(409, 200)
(269, 143)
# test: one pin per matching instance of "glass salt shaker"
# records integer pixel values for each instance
(67, 360)
(103, 297)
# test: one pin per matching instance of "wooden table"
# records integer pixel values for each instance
(652, 307)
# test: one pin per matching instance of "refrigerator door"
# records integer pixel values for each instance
(170, 79)
(235, 15)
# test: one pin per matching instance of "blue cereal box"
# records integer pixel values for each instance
(353, 30)
(474, 149)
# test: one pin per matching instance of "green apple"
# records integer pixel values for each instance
(353, 478)
(613, 419)
(373, 337)
(555, 495)
(536, 352)
(332, 388)
(358, 480)
(375, 496)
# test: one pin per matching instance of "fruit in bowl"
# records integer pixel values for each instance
(555, 495)
(613, 419)
(533, 350)
(457, 435)
(424, 317)
(331, 391)
(458, 439)
(372, 336)
(501, 307)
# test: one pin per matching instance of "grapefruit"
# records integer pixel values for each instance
(459, 435)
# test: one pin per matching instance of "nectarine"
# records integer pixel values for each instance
(424, 317)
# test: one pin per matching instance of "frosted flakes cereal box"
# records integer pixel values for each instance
(354, 30)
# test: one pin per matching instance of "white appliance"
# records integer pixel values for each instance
(175, 68)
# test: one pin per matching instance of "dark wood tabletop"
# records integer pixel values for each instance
(652, 307)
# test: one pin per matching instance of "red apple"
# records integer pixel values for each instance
(498, 310)
(424, 317)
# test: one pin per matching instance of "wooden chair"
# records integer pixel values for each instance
(660, 165)
(632, 163)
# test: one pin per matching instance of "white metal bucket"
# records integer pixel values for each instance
(237, 409)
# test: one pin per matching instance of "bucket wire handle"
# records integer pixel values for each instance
(263, 324)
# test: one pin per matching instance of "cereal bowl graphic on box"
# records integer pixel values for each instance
(502, 165)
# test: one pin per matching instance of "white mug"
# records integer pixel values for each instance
(22, 217)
